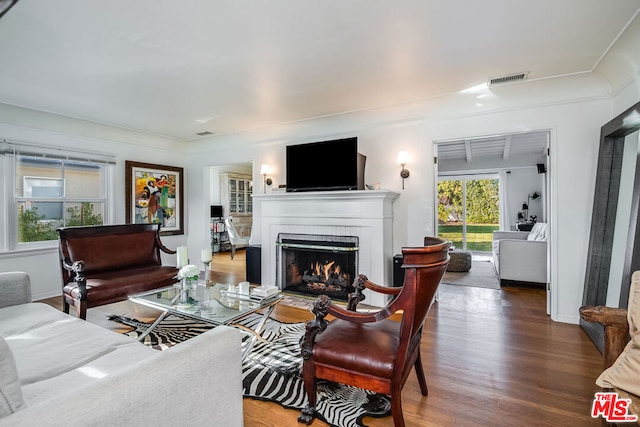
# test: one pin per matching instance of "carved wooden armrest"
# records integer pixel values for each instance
(315, 326)
(616, 329)
(606, 316)
(363, 282)
(163, 248)
(77, 268)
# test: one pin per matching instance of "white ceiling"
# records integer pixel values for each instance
(496, 148)
(177, 68)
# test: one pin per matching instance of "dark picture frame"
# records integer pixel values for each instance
(154, 194)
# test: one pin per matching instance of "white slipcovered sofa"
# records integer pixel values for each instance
(57, 370)
(521, 255)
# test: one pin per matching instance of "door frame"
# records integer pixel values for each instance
(548, 207)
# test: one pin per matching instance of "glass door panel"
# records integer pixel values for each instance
(450, 211)
(468, 211)
(482, 213)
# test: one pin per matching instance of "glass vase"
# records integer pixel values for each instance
(185, 302)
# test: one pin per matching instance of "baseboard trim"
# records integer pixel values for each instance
(522, 284)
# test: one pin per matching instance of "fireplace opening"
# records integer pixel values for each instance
(312, 265)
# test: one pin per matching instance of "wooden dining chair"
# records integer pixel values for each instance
(369, 350)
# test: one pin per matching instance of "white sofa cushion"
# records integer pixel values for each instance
(103, 367)
(37, 347)
(22, 318)
(11, 399)
(538, 232)
(199, 380)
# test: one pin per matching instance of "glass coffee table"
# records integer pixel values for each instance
(218, 304)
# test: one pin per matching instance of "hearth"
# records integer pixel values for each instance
(365, 214)
(317, 264)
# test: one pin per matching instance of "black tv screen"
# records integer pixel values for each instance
(326, 165)
(216, 211)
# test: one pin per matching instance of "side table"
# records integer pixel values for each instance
(524, 226)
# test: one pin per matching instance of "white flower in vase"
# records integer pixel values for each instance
(189, 272)
(188, 276)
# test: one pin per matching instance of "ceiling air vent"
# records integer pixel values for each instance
(205, 133)
(508, 78)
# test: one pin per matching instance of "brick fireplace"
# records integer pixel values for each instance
(356, 225)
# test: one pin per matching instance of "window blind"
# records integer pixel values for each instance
(42, 151)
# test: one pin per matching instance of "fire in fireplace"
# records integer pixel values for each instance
(313, 265)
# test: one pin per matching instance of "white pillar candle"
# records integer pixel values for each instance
(183, 257)
(205, 255)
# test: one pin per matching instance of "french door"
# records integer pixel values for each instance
(469, 210)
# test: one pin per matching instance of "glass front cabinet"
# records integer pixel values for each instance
(240, 190)
(235, 191)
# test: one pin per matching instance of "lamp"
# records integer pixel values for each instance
(403, 156)
(525, 206)
(264, 171)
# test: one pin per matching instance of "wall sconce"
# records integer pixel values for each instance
(264, 171)
(403, 157)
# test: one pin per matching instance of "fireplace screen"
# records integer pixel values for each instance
(313, 265)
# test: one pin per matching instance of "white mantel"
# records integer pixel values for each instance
(367, 214)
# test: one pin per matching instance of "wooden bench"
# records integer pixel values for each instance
(105, 264)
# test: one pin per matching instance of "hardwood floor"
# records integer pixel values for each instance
(492, 358)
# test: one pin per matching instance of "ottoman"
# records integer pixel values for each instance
(459, 261)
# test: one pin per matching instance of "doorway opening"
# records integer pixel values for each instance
(230, 191)
(521, 163)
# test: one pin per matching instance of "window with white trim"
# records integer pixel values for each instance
(52, 190)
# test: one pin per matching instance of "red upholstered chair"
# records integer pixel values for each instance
(368, 350)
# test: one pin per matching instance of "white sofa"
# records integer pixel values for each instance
(521, 255)
(58, 370)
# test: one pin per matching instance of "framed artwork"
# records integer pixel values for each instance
(154, 194)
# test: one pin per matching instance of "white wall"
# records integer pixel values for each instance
(574, 125)
(22, 125)
(522, 182)
(382, 133)
(574, 148)
(573, 108)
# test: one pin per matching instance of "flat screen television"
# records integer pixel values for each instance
(325, 166)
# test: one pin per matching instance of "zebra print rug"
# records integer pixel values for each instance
(272, 370)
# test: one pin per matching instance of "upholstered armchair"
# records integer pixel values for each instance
(369, 350)
(521, 255)
(235, 239)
